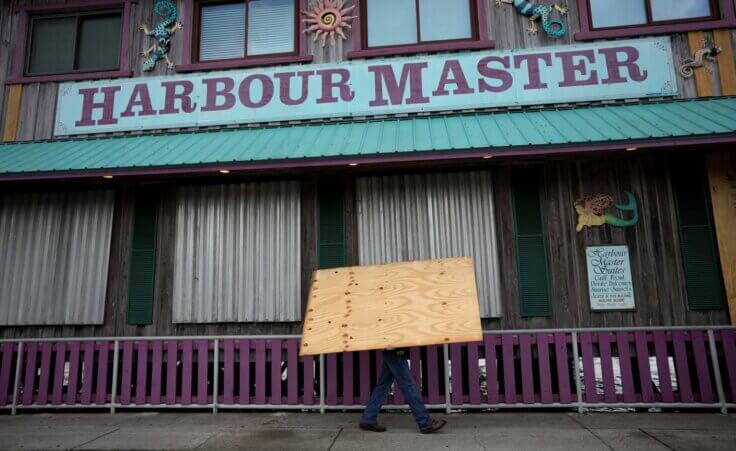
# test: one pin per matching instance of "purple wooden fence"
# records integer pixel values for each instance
(614, 367)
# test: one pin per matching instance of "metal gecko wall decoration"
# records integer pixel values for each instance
(595, 211)
(328, 18)
(555, 28)
(706, 54)
(162, 34)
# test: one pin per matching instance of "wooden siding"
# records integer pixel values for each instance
(505, 25)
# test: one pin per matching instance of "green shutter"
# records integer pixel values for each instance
(703, 282)
(531, 246)
(142, 261)
(331, 252)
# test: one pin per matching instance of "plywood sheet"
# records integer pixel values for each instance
(395, 305)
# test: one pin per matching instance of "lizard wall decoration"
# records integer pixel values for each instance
(706, 54)
(555, 28)
(595, 211)
(162, 34)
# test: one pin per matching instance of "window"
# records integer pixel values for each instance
(402, 22)
(621, 18)
(246, 28)
(80, 42)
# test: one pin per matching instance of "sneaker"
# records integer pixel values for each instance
(434, 427)
(373, 427)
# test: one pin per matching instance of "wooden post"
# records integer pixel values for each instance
(12, 112)
(722, 180)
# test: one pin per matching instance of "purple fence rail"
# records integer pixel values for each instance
(687, 367)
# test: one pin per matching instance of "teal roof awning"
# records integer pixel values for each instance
(499, 132)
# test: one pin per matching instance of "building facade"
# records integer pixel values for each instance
(181, 169)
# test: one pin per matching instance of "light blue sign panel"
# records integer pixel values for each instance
(474, 80)
(609, 278)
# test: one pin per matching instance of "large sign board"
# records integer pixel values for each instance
(582, 72)
(609, 278)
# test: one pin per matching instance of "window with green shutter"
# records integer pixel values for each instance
(703, 281)
(142, 276)
(332, 251)
(531, 246)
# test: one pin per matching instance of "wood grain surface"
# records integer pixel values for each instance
(395, 305)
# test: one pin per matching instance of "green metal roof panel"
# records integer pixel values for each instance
(472, 131)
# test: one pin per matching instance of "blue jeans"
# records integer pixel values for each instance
(396, 368)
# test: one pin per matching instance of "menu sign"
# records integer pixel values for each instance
(609, 278)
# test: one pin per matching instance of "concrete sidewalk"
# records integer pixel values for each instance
(338, 431)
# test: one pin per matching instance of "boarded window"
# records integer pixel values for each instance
(703, 282)
(54, 259)
(74, 43)
(531, 246)
(246, 28)
(237, 253)
(419, 217)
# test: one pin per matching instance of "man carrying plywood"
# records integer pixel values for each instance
(388, 307)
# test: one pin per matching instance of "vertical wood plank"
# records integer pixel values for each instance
(563, 367)
(244, 380)
(702, 366)
(609, 385)
(509, 371)
(71, 388)
(489, 340)
(347, 378)
(228, 356)
(365, 376)
(292, 372)
(663, 367)
(260, 349)
(703, 85)
(56, 395)
(456, 375)
(624, 363)
(729, 351)
(527, 373)
(276, 372)
(12, 112)
(589, 388)
(186, 372)
(642, 360)
(473, 374)
(102, 369)
(308, 384)
(725, 61)
(722, 181)
(88, 371)
(44, 379)
(682, 368)
(172, 358)
(331, 379)
(7, 361)
(157, 361)
(141, 372)
(29, 349)
(202, 370)
(545, 376)
(415, 365)
(433, 382)
(127, 378)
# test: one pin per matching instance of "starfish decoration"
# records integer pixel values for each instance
(327, 19)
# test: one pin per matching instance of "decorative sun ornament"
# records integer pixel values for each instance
(327, 19)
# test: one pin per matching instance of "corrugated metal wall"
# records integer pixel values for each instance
(413, 217)
(54, 252)
(237, 253)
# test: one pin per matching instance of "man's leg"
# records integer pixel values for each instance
(400, 369)
(378, 396)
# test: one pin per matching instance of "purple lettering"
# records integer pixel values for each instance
(570, 69)
(139, 98)
(184, 97)
(613, 65)
(266, 91)
(452, 73)
(329, 84)
(213, 93)
(503, 75)
(284, 79)
(89, 105)
(411, 73)
(532, 66)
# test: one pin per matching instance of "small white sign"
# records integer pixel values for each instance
(609, 278)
